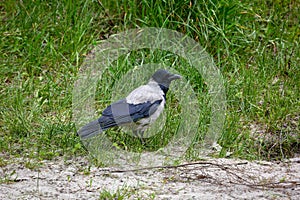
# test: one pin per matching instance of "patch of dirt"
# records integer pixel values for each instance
(207, 179)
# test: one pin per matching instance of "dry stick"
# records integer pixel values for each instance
(261, 186)
(175, 166)
(274, 185)
(106, 13)
(246, 183)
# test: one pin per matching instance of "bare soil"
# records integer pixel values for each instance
(207, 179)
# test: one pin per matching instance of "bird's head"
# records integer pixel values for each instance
(164, 77)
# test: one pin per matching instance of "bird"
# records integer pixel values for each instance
(138, 110)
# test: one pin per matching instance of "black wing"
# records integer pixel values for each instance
(122, 112)
(117, 114)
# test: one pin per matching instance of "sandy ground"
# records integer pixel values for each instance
(207, 179)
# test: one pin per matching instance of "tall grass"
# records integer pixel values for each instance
(255, 44)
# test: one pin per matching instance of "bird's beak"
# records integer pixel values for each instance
(175, 76)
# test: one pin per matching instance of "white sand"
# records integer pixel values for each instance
(209, 179)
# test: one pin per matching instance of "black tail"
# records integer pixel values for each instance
(96, 127)
(91, 129)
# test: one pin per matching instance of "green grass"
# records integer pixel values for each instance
(124, 193)
(255, 44)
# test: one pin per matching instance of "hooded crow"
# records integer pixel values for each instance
(137, 111)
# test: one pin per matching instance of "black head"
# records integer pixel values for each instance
(164, 78)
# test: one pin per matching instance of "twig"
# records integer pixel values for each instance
(111, 23)
(177, 166)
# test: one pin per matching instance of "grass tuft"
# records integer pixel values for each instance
(255, 44)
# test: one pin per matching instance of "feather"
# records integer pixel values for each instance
(140, 108)
(119, 113)
(91, 129)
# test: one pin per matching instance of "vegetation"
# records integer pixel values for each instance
(255, 44)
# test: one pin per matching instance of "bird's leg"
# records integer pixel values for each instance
(142, 137)
(139, 134)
